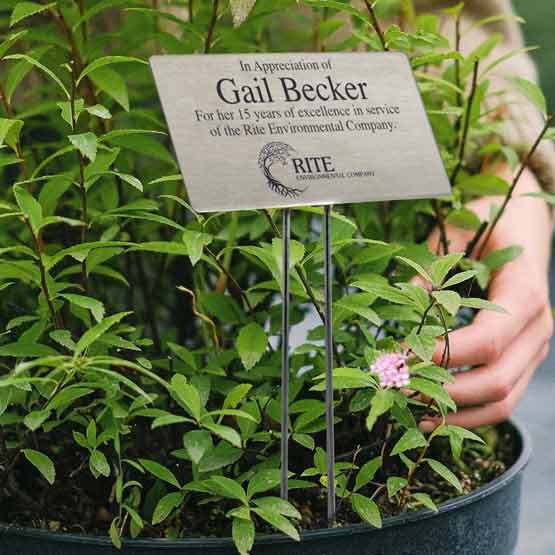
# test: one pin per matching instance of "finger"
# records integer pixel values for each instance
(492, 413)
(494, 382)
(485, 340)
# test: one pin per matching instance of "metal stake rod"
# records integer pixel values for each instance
(330, 432)
(286, 237)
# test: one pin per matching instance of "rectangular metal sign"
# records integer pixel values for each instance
(277, 130)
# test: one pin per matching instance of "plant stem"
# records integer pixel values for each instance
(376, 24)
(443, 242)
(231, 278)
(468, 112)
(191, 10)
(211, 26)
(514, 183)
(457, 61)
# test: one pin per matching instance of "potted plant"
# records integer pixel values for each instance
(139, 395)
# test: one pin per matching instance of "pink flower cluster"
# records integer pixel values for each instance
(392, 370)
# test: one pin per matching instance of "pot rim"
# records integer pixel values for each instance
(312, 535)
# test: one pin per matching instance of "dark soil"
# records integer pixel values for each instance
(78, 503)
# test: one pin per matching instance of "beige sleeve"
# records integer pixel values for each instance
(523, 122)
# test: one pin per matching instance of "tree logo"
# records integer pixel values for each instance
(274, 153)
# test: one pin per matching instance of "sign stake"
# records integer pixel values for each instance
(330, 432)
(286, 238)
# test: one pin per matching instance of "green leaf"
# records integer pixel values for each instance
(225, 432)
(240, 10)
(110, 82)
(498, 258)
(10, 41)
(422, 345)
(484, 185)
(29, 206)
(95, 306)
(442, 266)
(184, 354)
(99, 111)
(43, 68)
(529, 90)
(243, 535)
(411, 439)
(99, 464)
(160, 472)
(221, 456)
(42, 463)
(279, 522)
(263, 480)
(394, 485)
(114, 533)
(482, 304)
(226, 487)
(459, 278)
(367, 510)
(367, 472)
(415, 266)
(27, 350)
(236, 395)
(197, 443)
(426, 500)
(97, 331)
(381, 402)
(196, 241)
(450, 300)
(86, 143)
(165, 506)
(251, 344)
(358, 303)
(278, 505)
(105, 61)
(34, 420)
(464, 219)
(27, 9)
(445, 473)
(433, 390)
(187, 396)
(9, 132)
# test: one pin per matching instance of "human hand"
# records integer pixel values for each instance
(505, 349)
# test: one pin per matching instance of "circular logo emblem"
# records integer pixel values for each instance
(277, 153)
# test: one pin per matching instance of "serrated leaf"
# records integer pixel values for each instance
(42, 463)
(165, 506)
(197, 443)
(96, 307)
(105, 61)
(442, 266)
(367, 509)
(381, 402)
(367, 472)
(251, 344)
(226, 487)
(433, 390)
(94, 333)
(187, 395)
(482, 304)
(529, 90)
(415, 266)
(86, 144)
(99, 464)
(243, 535)
(34, 420)
(279, 522)
(27, 9)
(449, 300)
(394, 485)
(459, 278)
(484, 185)
(225, 432)
(411, 439)
(160, 472)
(445, 473)
(422, 345)
(263, 480)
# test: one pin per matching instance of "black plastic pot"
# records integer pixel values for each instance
(485, 522)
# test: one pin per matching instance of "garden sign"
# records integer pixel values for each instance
(258, 131)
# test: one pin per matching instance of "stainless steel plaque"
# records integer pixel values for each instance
(276, 130)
